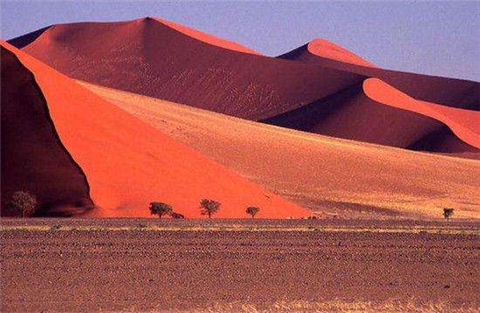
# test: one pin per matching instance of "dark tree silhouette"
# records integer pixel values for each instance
(447, 213)
(23, 202)
(160, 209)
(252, 210)
(209, 207)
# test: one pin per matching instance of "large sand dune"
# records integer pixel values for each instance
(325, 174)
(447, 91)
(126, 162)
(160, 59)
(318, 87)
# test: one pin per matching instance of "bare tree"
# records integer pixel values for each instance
(160, 209)
(209, 207)
(447, 213)
(23, 202)
(252, 210)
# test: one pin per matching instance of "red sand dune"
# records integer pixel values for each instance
(219, 42)
(128, 163)
(321, 92)
(377, 113)
(443, 129)
(326, 49)
(464, 123)
(149, 57)
(446, 91)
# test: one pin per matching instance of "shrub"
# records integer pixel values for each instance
(24, 203)
(252, 210)
(160, 209)
(209, 207)
(447, 213)
(56, 227)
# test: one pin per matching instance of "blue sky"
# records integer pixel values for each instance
(430, 37)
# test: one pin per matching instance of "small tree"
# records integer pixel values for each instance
(252, 210)
(23, 202)
(160, 209)
(209, 207)
(447, 213)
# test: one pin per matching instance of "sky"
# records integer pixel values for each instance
(430, 37)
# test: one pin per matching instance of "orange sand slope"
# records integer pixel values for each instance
(128, 163)
(326, 49)
(325, 174)
(464, 123)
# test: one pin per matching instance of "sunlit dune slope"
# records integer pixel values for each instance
(168, 61)
(325, 174)
(128, 163)
(329, 50)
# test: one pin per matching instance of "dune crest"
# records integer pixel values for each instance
(207, 38)
(327, 49)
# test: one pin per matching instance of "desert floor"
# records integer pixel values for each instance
(85, 265)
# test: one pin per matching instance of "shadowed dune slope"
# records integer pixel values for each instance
(375, 112)
(128, 163)
(464, 123)
(330, 175)
(33, 158)
(163, 60)
(446, 91)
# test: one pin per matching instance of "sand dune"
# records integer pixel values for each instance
(325, 174)
(219, 42)
(464, 123)
(375, 112)
(126, 162)
(446, 91)
(319, 88)
(163, 60)
(329, 50)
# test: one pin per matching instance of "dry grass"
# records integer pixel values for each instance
(249, 228)
(391, 306)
